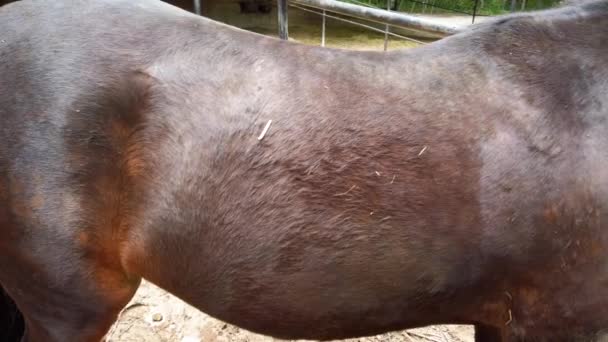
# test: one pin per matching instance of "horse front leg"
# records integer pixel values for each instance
(73, 298)
(487, 333)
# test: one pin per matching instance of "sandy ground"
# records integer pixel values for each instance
(154, 315)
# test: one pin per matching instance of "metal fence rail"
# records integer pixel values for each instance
(353, 14)
(324, 15)
(340, 11)
(380, 16)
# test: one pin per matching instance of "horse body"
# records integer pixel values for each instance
(460, 182)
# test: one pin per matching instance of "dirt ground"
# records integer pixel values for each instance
(154, 315)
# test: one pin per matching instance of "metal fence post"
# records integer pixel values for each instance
(197, 7)
(323, 30)
(386, 28)
(282, 9)
(475, 10)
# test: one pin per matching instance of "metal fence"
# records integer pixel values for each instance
(324, 14)
(361, 15)
(367, 17)
(467, 7)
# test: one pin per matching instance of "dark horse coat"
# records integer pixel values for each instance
(461, 182)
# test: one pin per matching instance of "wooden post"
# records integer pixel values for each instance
(197, 7)
(283, 25)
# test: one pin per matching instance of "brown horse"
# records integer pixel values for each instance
(303, 192)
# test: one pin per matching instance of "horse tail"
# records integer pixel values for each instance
(12, 325)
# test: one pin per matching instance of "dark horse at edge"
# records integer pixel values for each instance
(303, 192)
